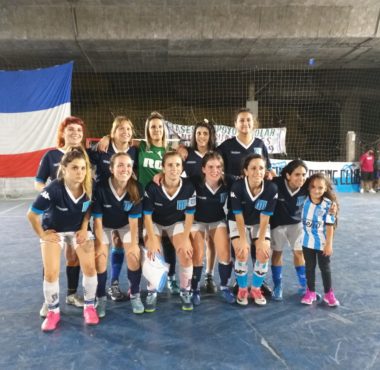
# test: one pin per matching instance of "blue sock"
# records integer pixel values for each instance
(134, 278)
(102, 280)
(276, 275)
(301, 274)
(224, 273)
(117, 258)
(259, 273)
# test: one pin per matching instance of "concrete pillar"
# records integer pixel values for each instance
(350, 146)
(349, 121)
(251, 103)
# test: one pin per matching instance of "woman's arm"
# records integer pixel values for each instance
(328, 249)
(45, 235)
(263, 245)
(153, 244)
(243, 243)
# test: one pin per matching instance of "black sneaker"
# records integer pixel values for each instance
(115, 293)
(266, 290)
(210, 285)
(187, 304)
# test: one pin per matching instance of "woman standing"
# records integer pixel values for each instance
(64, 206)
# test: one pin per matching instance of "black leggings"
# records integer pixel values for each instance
(311, 256)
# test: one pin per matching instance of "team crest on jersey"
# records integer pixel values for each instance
(258, 151)
(261, 204)
(181, 204)
(300, 201)
(85, 206)
(193, 200)
(223, 197)
(127, 205)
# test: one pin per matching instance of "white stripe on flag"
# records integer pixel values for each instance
(31, 131)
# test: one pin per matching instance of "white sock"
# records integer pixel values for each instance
(185, 275)
(90, 284)
(51, 294)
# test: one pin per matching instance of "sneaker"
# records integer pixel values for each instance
(137, 305)
(101, 305)
(151, 302)
(372, 191)
(51, 321)
(44, 310)
(257, 296)
(90, 315)
(330, 299)
(187, 304)
(210, 285)
(277, 293)
(266, 290)
(196, 297)
(242, 296)
(115, 293)
(75, 300)
(309, 297)
(301, 291)
(227, 295)
(361, 190)
(235, 288)
(173, 287)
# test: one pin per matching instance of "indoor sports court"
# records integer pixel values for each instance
(281, 335)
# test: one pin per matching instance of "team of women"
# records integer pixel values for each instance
(264, 213)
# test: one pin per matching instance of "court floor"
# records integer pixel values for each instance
(281, 335)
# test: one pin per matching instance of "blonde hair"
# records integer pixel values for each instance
(148, 139)
(70, 155)
(118, 121)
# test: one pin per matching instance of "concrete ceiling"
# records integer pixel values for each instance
(169, 35)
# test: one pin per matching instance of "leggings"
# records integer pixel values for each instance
(311, 256)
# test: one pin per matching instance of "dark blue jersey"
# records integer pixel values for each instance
(114, 210)
(234, 152)
(102, 161)
(60, 210)
(167, 210)
(49, 164)
(289, 204)
(243, 202)
(210, 205)
(193, 163)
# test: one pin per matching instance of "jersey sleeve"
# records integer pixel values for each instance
(192, 202)
(272, 200)
(148, 199)
(329, 218)
(236, 198)
(43, 201)
(43, 169)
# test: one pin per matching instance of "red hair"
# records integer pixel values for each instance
(69, 121)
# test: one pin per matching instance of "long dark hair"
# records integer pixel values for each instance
(248, 159)
(211, 145)
(291, 166)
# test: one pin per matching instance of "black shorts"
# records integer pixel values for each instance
(366, 176)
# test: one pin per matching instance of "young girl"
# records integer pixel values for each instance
(169, 210)
(253, 201)
(118, 206)
(70, 134)
(318, 229)
(210, 221)
(120, 142)
(64, 205)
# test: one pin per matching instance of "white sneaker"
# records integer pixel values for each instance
(361, 190)
(75, 300)
(372, 191)
(44, 310)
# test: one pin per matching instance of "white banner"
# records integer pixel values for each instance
(345, 176)
(274, 138)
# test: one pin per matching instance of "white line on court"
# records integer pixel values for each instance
(12, 208)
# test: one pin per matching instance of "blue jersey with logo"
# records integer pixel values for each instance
(193, 163)
(210, 204)
(102, 161)
(49, 164)
(315, 217)
(234, 152)
(59, 209)
(289, 204)
(251, 206)
(167, 210)
(113, 209)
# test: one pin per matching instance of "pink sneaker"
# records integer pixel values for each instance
(330, 299)
(242, 296)
(309, 297)
(51, 321)
(90, 315)
(258, 297)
